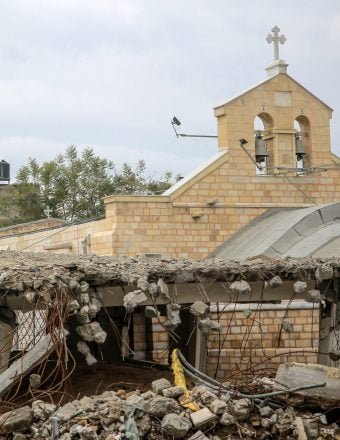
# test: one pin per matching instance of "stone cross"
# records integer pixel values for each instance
(276, 39)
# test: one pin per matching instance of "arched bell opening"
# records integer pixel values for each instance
(302, 144)
(263, 124)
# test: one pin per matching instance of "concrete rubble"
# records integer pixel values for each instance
(136, 415)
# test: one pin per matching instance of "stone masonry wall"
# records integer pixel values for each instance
(259, 342)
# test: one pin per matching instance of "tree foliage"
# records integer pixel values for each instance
(72, 187)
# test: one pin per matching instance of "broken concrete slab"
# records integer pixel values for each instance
(295, 375)
(27, 362)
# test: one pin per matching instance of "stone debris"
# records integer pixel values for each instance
(84, 349)
(242, 409)
(199, 308)
(300, 287)
(173, 392)
(240, 287)
(314, 296)
(175, 425)
(35, 380)
(173, 318)
(151, 312)
(275, 282)
(202, 417)
(118, 415)
(134, 299)
(324, 272)
(209, 325)
(159, 385)
(92, 332)
(17, 420)
(163, 290)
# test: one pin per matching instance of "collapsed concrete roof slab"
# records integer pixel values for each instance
(25, 275)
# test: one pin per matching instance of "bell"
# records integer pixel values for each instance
(299, 148)
(260, 149)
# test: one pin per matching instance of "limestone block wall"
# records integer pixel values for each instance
(258, 343)
(139, 336)
(94, 237)
(160, 336)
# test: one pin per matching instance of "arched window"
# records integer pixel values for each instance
(263, 123)
(302, 144)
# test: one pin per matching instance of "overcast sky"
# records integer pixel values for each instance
(110, 74)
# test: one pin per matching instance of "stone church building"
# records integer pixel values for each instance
(272, 189)
(287, 164)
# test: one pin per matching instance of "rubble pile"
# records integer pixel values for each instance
(164, 413)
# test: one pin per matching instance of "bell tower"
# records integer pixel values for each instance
(294, 136)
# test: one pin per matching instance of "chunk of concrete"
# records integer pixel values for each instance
(92, 332)
(163, 289)
(172, 314)
(240, 287)
(42, 410)
(159, 406)
(143, 283)
(18, 420)
(314, 296)
(227, 419)
(173, 392)
(275, 282)
(242, 409)
(27, 362)
(151, 312)
(218, 406)
(296, 374)
(35, 380)
(198, 436)
(175, 425)
(202, 394)
(324, 272)
(133, 299)
(300, 287)
(83, 348)
(199, 308)
(209, 325)
(159, 385)
(202, 417)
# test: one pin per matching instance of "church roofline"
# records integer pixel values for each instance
(264, 82)
(205, 168)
